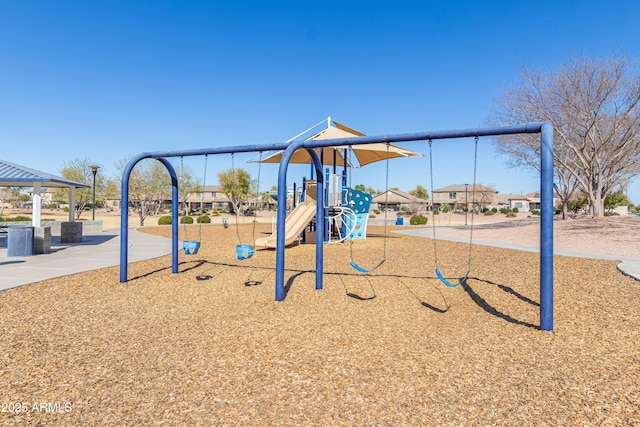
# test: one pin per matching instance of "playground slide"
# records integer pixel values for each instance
(293, 226)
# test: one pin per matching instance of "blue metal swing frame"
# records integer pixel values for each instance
(545, 129)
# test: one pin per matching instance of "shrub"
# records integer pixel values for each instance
(489, 213)
(19, 218)
(164, 220)
(215, 213)
(494, 210)
(511, 215)
(204, 219)
(376, 211)
(535, 212)
(186, 220)
(515, 210)
(418, 220)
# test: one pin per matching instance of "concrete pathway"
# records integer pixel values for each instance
(96, 251)
(628, 266)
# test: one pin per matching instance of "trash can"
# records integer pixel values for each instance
(19, 241)
(399, 221)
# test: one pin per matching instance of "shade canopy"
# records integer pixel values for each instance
(361, 154)
(12, 175)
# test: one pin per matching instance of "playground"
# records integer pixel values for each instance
(210, 346)
(195, 337)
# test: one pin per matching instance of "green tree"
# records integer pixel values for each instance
(236, 185)
(615, 199)
(80, 170)
(420, 192)
(360, 187)
(577, 203)
(112, 188)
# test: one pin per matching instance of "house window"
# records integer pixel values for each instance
(518, 205)
(453, 195)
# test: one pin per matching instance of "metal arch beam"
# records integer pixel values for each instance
(124, 214)
(282, 214)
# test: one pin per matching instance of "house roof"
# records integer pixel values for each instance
(397, 196)
(463, 187)
(505, 198)
(13, 175)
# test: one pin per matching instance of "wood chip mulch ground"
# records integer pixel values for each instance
(392, 348)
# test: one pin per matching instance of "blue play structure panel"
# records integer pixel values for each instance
(359, 202)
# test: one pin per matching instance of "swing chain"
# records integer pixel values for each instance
(473, 199)
(433, 214)
(204, 181)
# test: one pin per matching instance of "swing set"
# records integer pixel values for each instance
(545, 129)
(243, 251)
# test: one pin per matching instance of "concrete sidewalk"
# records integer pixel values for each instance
(96, 251)
(627, 266)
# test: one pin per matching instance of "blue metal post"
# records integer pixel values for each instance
(174, 214)
(325, 217)
(546, 228)
(124, 222)
(282, 217)
(319, 214)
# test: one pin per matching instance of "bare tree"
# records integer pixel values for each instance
(593, 105)
(5, 194)
(188, 185)
(149, 187)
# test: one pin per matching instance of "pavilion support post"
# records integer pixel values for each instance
(72, 204)
(36, 204)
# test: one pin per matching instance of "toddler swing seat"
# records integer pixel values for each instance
(190, 247)
(244, 252)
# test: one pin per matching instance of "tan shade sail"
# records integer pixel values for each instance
(362, 154)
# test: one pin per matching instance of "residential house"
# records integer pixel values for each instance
(510, 201)
(462, 196)
(524, 203)
(396, 200)
(211, 199)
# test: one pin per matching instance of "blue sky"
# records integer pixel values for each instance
(105, 80)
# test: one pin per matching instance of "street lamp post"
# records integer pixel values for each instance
(466, 203)
(94, 169)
